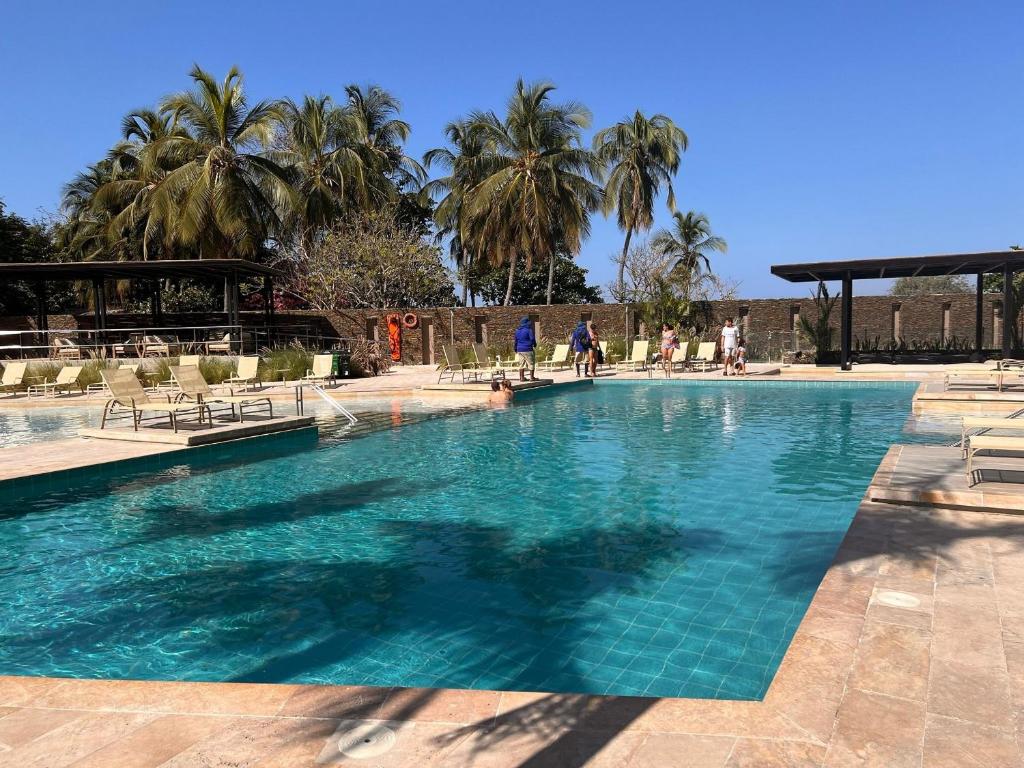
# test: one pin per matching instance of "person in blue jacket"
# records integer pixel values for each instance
(581, 344)
(525, 347)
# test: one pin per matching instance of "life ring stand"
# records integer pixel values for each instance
(410, 320)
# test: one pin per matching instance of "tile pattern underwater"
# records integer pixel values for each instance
(630, 539)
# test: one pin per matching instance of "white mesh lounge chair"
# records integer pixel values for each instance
(559, 359)
(14, 376)
(127, 393)
(322, 370)
(67, 377)
(246, 373)
(637, 359)
(193, 386)
(66, 349)
(976, 443)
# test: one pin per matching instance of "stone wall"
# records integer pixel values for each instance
(921, 318)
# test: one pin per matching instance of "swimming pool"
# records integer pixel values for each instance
(634, 538)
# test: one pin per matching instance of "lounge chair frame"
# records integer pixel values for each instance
(128, 394)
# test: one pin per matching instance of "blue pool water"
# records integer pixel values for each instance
(645, 539)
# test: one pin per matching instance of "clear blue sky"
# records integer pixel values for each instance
(818, 130)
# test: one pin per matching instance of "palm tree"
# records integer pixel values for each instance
(449, 214)
(326, 166)
(536, 187)
(641, 154)
(689, 244)
(223, 196)
(374, 126)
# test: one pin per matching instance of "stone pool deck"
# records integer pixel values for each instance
(911, 654)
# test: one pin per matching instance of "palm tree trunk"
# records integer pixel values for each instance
(511, 277)
(621, 282)
(551, 277)
(465, 290)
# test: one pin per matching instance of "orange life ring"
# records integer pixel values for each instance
(409, 320)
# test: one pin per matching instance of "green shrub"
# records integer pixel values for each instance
(292, 362)
(216, 369)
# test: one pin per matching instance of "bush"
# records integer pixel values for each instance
(291, 362)
(216, 369)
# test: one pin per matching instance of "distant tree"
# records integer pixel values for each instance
(689, 243)
(640, 154)
(919, 286)
(530, 287)
(368, 259)
(27, 241)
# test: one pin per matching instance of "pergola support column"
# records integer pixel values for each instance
(99, 304)
(1008, 311)
(846, 323)
(979, 325)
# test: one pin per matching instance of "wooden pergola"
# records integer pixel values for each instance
(230, 271)
(979, 264)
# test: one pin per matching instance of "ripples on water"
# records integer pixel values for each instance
(633, 539)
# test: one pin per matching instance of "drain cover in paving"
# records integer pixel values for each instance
(358, 740)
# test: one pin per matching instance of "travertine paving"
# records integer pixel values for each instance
(911, 654)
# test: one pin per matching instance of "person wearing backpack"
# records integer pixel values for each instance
(580, 344)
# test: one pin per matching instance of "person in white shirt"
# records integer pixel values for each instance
(730, 340)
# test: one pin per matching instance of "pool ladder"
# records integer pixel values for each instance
(334, 403)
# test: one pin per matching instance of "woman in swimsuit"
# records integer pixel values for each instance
(669, 343)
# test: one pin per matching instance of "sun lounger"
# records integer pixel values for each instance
(987, 422)
(14, 375)
(66, 349)
(484, 364)
(453, 365)
(977, 443)
(190, 360)
(246, 373)
(193, 386)
(127, 392)
(101, 386)
(637, 359)
(980, 377)
(67, 377)
(559, 358)
(322, 370)
(705, 359)
(223, 344)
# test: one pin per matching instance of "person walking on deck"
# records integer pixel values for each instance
(526, 348)
(580, 343)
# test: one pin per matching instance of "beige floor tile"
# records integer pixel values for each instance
(875, 731)
(23, 725)
(892, 659)
(658, 750)
(169, 697)
(76, 739)
(968, 692)
(443, 706)
(156, 742)
(751, 753)
(950, 743)
(335, 701)
(241, 742)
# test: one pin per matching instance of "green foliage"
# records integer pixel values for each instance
(216, 369)
(640, 154)
(530, 286)
(688, 244)
(920, 286)
(819, 331)
(294, 359)
(528, 186)
(25, 241)
(368, 260)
